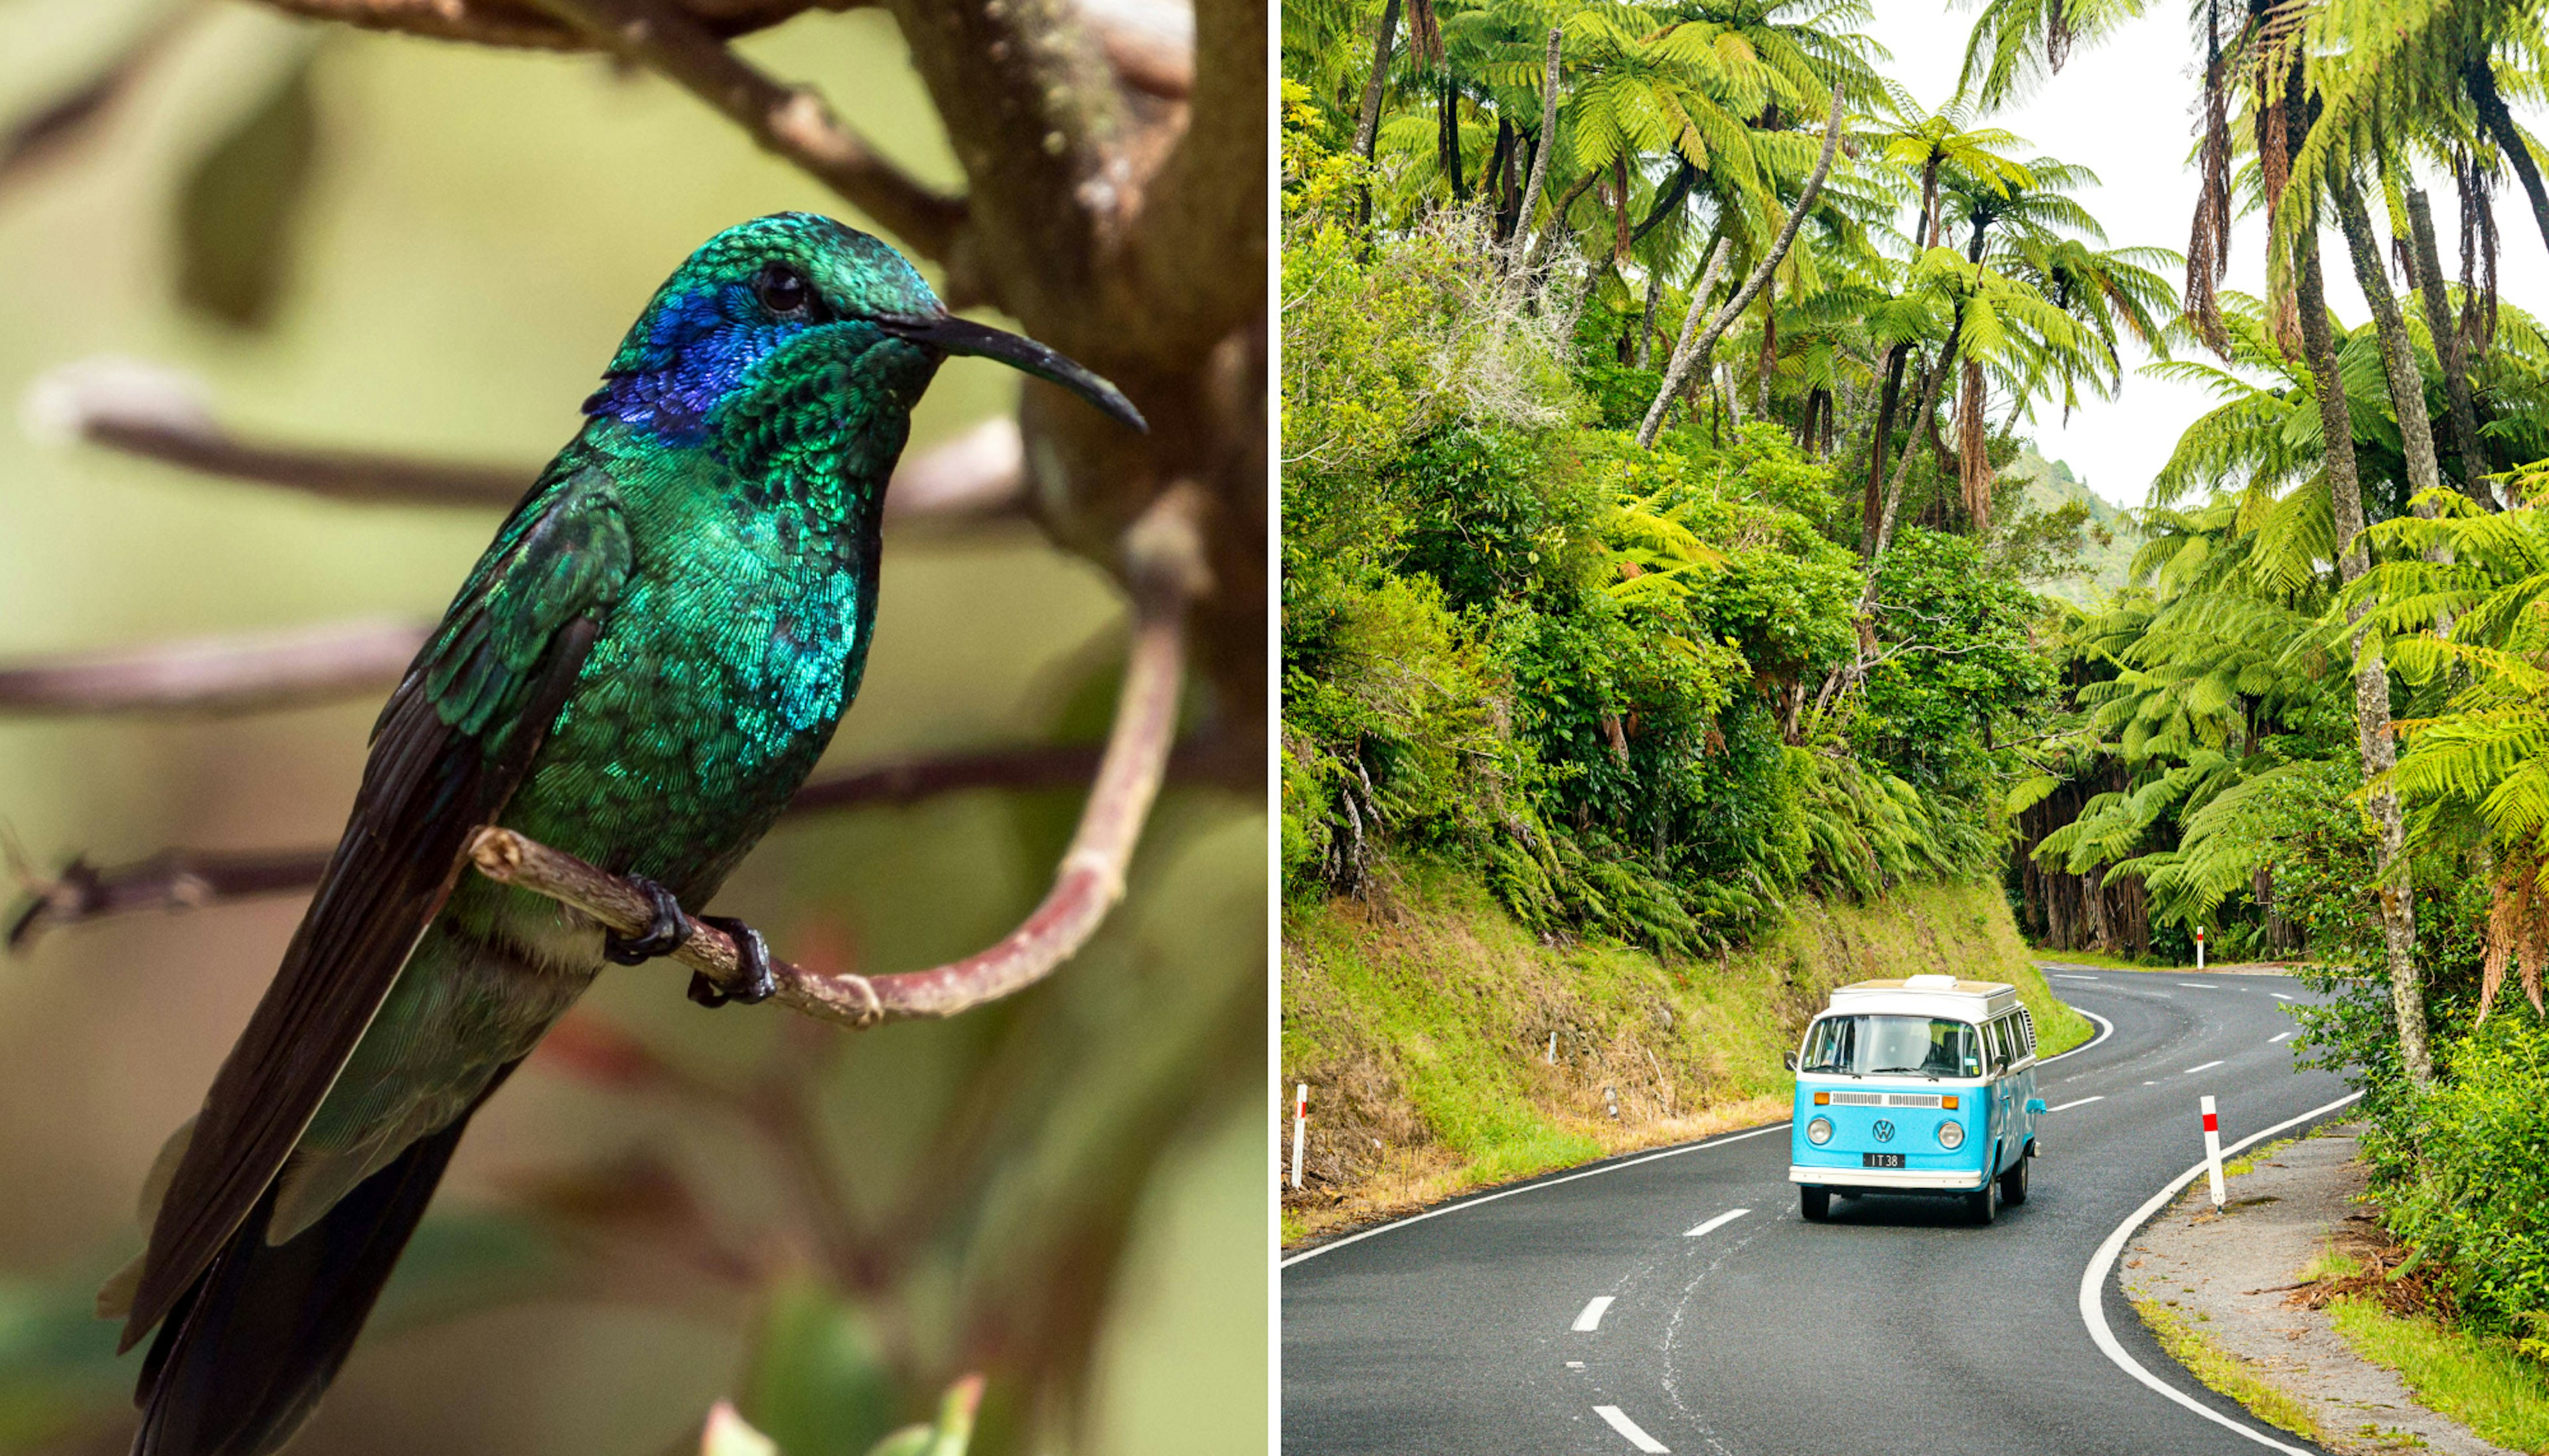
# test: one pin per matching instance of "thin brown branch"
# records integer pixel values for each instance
(1167, 555)
(60, 127)
(524, 23)
(216, 674)
(161, 415)
(792, 122)
(184, 880)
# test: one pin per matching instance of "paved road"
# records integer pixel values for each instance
(1896, 1326)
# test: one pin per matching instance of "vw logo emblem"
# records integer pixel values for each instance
(1884, 1131)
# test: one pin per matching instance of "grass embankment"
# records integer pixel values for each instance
(2225, 1372)
(1421, 1016)
(2478, 1380)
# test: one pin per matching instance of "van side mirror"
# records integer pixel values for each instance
(2035, 1106)
(1790, 1058)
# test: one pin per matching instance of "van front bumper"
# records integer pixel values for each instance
(1960, 1179)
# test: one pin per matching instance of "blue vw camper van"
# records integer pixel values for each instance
(1920, 1085)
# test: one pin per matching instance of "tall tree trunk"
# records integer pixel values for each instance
(1542, 145)
(1447, 140)
(1886, 403)
(2448, 349)
(2480, 78)
(2397, 900)
(1499, 179)
(1647, 328)
(1685, 353)
(1367, 121)
(2397, 355)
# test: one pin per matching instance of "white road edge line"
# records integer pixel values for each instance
(2277, 1036)
(2082, 1102)
(2105, 1029)
(1591, 1319)
(1720, 1222)
(2202, 1067)
(1620, 1423)
(2059, 976)
(2092, 1283)
(1454, 1208)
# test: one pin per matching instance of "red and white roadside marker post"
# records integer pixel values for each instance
(2198, 961)
(2212, 1149)
(1302, 1128)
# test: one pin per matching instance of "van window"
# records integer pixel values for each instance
(1997, 1047)
(1867, 1045)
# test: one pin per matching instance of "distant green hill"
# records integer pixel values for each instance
(2100, 569)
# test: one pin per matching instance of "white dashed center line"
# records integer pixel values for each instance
(1720, 1222)
(2278, 995)
(2081, 1101)
(1620, 1423)
(2059, 976)
(1591, 1319)
(2277, 1036)
(2198, 985)
(2207, 1066)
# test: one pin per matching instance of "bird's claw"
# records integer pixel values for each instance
(662, 937)
(752, 954)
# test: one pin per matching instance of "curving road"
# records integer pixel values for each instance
(1675, 1302)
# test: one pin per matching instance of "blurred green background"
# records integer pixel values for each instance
(1063, 1191)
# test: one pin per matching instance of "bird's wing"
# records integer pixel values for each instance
(449, 749)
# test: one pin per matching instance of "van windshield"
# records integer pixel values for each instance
(1922, 1046)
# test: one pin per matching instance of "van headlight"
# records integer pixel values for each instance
(1951, 1134)
(1818, 1132)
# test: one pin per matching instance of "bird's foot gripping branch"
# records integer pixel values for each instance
(1164, 561)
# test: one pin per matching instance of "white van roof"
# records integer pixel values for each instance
(1926, 996)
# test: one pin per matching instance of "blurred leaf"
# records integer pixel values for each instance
(237, 209)
(949, 1437)
(58, 1363)
(819, 1384)
(729, 1434)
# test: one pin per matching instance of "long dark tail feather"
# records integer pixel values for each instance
(243, 1357)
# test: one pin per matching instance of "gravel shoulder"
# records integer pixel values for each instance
(2231, 1277)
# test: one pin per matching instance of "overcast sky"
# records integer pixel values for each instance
(2125, 110)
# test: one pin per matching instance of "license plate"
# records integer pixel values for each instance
(1880, 1159)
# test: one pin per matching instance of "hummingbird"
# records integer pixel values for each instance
(640, 671)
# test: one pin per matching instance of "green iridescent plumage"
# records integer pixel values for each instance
(640, 671)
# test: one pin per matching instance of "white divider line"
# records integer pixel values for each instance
(2278, 995)
(2200, 985)
(1720, 1222)
(2203, 1067)
(2078, 1102)
(2093, 1284)
(1471, 1203)
(1620, 1423)
(1591, 1319)
(2059, 976)
(2277, 1036)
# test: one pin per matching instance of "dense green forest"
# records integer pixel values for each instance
(1664, 540)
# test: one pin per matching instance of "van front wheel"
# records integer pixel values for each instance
(2013, 1184)
(1984, 1202)
(1814, 1203)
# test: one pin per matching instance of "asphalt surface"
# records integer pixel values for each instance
(1895, 1327)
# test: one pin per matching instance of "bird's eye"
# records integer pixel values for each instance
(781, 291)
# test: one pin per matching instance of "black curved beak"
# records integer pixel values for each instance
(961, 337)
